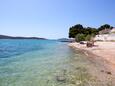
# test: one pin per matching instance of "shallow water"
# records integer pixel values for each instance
(41, 63)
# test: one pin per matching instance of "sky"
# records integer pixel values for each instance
(53, 18)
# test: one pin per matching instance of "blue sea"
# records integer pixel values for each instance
(38, 63)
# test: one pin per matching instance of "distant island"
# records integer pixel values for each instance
(11, 37)
(66, 39)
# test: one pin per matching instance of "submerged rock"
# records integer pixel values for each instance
(60, 78)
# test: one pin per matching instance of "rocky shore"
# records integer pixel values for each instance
(104, 50)
(102, 55)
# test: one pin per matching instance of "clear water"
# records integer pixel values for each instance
(32, 62)
(41, 63)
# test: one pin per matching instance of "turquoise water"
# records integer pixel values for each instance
(32, 62)
(43, 63)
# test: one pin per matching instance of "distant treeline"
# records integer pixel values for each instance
(81, 33)
(79, 29)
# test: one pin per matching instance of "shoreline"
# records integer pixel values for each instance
(91, 56)
(96, 52)
(104, 66)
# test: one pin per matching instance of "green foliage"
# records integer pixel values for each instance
(105, 26)
(74, 30)
(79, 29)
(79, 37)
(88, 37)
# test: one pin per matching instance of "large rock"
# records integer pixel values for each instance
(90, 44)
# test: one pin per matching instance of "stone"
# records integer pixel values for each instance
(60, 78)
(108, 72)
(89, 44)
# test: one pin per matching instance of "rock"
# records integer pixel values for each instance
(60, 78)
(89, 44)
(81, 42)
(108, 72)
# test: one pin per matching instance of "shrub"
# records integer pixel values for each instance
(88, 37)
(80, 37)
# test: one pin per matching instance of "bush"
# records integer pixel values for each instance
(88, 38)
(80, 37)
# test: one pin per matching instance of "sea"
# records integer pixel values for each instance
(29, 62)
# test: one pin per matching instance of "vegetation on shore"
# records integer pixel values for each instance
(85, 33)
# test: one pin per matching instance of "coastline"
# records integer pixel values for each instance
(102, 51)
(104, 67)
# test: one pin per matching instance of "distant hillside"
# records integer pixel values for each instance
(11, 37)
(65, 40)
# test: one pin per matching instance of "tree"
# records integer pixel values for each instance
(79, 37)
(79, 29)
(74, 30)
(105, 26)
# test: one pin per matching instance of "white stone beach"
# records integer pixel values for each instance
(104, 50)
